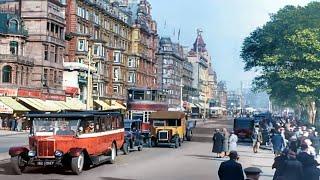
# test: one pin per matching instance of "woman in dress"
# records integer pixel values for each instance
(226, 141)
(217, 143)
(233, 142)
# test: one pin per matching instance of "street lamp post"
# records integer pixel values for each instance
(89, 83)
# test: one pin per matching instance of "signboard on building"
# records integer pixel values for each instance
(4, 109)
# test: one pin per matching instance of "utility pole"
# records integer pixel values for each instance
(241, 98)
(181, 88)
(89, 83)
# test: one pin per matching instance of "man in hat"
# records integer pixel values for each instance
(231, 169)
(252, 173)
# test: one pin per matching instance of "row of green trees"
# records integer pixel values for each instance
(286, 54)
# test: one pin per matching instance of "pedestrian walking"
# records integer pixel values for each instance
(231, 169)
(309, 164)
(315, 139)
(278, 164)
(233, 140)
(278, 144)
(292, 168)
(252, 173)
(1, 121)
(217, 143)
(226, 141)
(19, 124)
(256, 139)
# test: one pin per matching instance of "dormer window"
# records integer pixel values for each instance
(14, 25)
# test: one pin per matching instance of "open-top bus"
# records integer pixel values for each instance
(73, 140)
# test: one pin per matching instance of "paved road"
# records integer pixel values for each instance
(13, 140)
(193, 161)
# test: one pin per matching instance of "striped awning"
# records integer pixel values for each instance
(13, 104)
(116, 105)
(40, 105)
(75, 104)
(103, 104)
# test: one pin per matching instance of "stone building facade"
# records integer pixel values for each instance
(15, 67)
(171, 59)
(105, 29)
(142, 63)
(45, 22)
(204, 77)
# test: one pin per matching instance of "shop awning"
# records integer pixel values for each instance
(60, 105)
(193, 105)
(200, 105)
(39, 104)
(103, 104)
(75, 104)
(13, 104)
(116, 105)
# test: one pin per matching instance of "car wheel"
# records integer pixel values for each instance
(153, 143)
(176, 143)
(77, 164)
(125, 148)
(140, 147)
(113, 154)
(18, 165)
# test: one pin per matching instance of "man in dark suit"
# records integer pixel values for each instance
(231, 169)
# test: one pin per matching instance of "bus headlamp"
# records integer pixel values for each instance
(58, 153)
(32, 153)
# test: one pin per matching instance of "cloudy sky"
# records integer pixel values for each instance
(225, 23)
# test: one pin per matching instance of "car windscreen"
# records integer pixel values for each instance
(54, 126)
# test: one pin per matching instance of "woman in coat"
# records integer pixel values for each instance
(233, 142)
(217, 143)
(226, 141)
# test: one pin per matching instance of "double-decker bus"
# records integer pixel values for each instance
(141, 103)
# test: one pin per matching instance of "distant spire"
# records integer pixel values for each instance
(199, 43)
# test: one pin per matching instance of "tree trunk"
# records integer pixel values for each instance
(312, 110)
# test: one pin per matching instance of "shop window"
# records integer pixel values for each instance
(7, 74)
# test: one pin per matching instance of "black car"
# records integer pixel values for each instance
(133, 135)
(243, 127)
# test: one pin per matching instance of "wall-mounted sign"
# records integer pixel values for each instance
(4, 109)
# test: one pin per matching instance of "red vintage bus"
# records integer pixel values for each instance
(73, 140)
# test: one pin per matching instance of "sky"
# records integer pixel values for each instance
(225, 24)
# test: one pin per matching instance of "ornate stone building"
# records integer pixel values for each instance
(105, 29)
(142, 63)
(45, 22)
(15, 66)
(171, 60)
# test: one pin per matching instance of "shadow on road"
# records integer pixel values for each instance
(206, 157)
(111, 178)
(5, 169)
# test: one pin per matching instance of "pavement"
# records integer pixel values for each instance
(10, 133)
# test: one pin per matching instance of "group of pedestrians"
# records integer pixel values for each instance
(296, 149)
(12, 123)
(224, 142)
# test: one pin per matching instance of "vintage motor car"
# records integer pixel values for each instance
(168, 127)
(243, 127)
(73, 140)
(133, 135)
